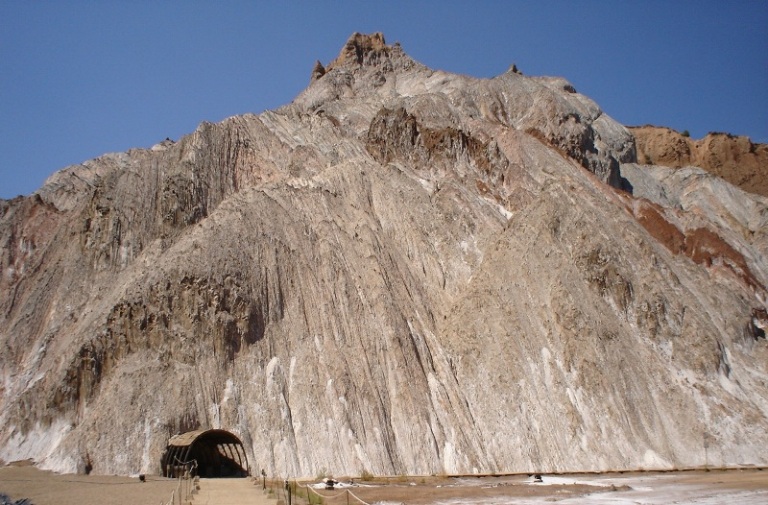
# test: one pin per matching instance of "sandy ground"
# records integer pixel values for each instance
(734, 487)
(233, 491)
(46, 488)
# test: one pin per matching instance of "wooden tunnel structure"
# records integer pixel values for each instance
(207, 453)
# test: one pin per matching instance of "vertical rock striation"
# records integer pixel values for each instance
(403, 271)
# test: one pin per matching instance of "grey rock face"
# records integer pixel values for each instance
(403, 271)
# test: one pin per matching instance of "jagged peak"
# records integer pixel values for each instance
(317, 71)
(358, 46)
(360, 50)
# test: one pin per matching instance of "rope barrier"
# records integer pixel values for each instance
(347, 492)
(309, 490)
(173, 495)
(327, 497)
(186, 483)
(353, 495)
(282, 492)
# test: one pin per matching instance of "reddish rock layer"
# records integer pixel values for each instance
(735, 159)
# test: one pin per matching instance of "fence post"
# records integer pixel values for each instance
(288, 491)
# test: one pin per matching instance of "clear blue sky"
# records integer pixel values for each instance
(81, 78)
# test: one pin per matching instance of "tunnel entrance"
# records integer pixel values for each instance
(207, 453)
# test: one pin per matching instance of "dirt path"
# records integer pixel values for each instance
(231, 492)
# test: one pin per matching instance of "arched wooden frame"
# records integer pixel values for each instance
(216, 453)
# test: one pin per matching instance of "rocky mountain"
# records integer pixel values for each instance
(735, 159)
(403, 271)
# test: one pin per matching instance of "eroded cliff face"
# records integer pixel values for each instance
(403, 271)
(735, 159)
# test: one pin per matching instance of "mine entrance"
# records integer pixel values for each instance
(207, 453)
